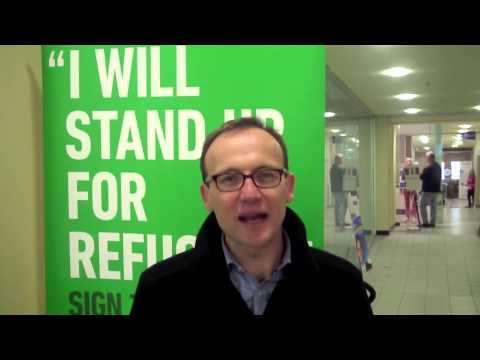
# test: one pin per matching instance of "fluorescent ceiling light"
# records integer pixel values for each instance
(406, 96)
(477, 107)
(396, 71)
(334, 130)
(343, 134)
(329, 114)
(462, 131)
(426, 147)
(465, 126)
(424, 139)
(412, 110)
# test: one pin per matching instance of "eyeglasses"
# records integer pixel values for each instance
(264, 178)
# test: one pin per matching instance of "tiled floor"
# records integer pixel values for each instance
(431, 271)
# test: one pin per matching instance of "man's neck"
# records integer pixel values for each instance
(260, 263)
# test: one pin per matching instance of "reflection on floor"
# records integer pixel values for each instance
(431, 271)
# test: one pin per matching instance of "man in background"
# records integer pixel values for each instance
(431, 178)
(337, 172)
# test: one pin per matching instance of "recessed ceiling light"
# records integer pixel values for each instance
(329, 114)
(334, 130)
(426, 147)
(476, 107)
(406, 96)
(396, 71)
(412, 111)
(343, 134)
(465, 126)
(424, 139)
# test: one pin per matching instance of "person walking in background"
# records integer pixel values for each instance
(337, 171)
(471, 188)
(431, 178)
(407, 195)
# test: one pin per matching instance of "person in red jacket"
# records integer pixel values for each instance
(471, 188)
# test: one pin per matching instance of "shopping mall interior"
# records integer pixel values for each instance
(386, 103)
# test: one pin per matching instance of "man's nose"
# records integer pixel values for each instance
(249, 190)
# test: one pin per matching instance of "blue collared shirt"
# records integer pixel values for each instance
(255, 293)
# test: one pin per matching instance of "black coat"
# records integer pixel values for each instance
(196, 282)
(431, 178)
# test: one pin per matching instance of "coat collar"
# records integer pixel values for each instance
(209, 249)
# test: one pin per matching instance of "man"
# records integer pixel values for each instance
(337, 172)
(431, 178)
(251, 254)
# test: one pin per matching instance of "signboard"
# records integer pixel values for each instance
(124, 128)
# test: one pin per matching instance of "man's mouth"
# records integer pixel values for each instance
(252, 218)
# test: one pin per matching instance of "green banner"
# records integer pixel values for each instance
(124, 128)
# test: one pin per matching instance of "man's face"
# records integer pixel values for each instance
(249, 217)
(429, 158)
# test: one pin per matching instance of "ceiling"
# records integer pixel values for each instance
(446, 78)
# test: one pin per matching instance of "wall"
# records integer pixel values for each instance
(449, 156)
(384, 175)
(21, 215)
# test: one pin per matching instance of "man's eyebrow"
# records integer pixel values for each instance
(233, 169)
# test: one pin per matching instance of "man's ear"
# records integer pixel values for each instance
(290, 187)
(204, 192)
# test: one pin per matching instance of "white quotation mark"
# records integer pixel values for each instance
(56, 62)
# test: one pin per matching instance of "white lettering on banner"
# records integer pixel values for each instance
(130, 139)
(74, 74)
(133, 198)
(185, 116)
(157, 89)
(83, 257)
(274, 115)
(182, 88)
(78, 134)
(130, 127)
(129, 257)
(164, 137)
(104, 117)
(119, 72)
(112, 198)
(128, 197)
(263, 114)
(106, 256)
(141, 72)
(151, 250)
(74, 195)
(184, 242)
(167, 247)
(82, 251)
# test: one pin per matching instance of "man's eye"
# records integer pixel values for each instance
(265, 175)
(231, 178)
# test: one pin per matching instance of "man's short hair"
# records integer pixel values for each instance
(236, 125)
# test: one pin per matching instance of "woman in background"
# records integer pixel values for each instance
(406, 193)
(471, 188)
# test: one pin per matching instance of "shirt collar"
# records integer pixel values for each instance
(286, 258)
